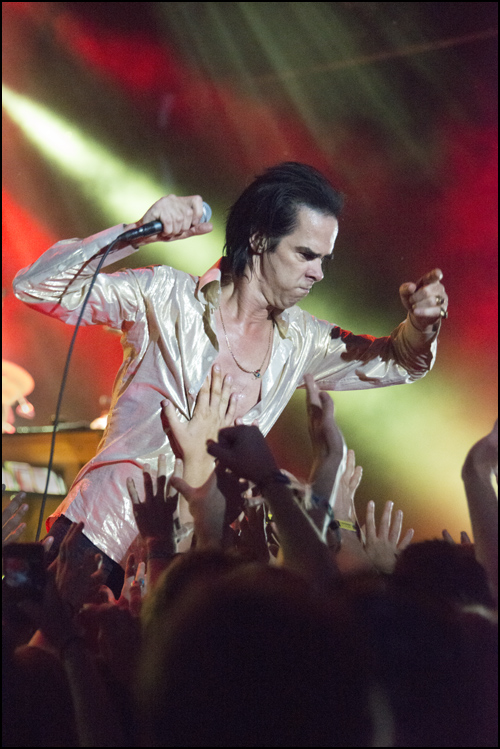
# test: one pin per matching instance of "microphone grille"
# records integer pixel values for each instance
(207, 212)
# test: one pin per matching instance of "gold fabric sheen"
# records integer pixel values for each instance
(169, 346)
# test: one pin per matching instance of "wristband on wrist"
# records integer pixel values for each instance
(346, 525)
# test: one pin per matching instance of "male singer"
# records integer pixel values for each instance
(242, 314)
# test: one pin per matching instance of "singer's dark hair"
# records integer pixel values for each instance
(268, 208)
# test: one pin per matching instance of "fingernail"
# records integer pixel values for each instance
(216, 367)
(24, 507)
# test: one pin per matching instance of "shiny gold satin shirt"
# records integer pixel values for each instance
(170, 344)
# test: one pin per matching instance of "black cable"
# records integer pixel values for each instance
(65, 374)
(145, 230)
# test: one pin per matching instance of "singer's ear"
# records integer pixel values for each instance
(258, 244)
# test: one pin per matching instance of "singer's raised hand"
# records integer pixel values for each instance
(426, 300)
(180, 216)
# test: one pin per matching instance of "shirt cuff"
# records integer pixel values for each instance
(417, 339)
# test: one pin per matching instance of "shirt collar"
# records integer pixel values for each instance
(209, 284)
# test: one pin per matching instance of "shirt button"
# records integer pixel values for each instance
(210, 358)
(191, 391)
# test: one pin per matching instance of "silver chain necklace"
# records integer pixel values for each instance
(256, 372)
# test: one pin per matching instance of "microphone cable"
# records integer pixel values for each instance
(153, 227)
(121, 237)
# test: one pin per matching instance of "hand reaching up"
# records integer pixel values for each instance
(343, 507)
(12, 516)
(327, 441)
(245, 452)
(155, 514)
(208, 508)
(464, 538)
(480, 465)
(77, 576)
(383, 546)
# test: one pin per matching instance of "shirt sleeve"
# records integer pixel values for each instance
(344, 361)
(58, 282)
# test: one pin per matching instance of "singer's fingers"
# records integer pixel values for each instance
(188, 218)
(434, 275)
(194, 231)
(197, 206)
(181, 217)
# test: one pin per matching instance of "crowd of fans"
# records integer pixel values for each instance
(285, 624)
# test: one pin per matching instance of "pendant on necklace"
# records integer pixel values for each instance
(256, 374)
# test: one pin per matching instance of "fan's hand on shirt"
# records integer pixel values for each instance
(425, 300)
(215, 409)
(180, 216)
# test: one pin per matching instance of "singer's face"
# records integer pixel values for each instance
(287, 275)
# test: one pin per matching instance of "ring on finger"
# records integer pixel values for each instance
(444, 313)
(439, 299)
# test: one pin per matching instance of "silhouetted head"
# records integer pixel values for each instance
(255, 659)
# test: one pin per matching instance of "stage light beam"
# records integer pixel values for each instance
(121, 190)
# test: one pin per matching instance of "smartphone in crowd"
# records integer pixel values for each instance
(23, 572)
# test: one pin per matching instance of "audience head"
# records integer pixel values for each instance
(443, 570)
(255, 660)
(436, 665)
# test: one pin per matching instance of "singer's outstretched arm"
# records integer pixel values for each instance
(57, 282)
